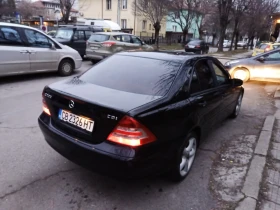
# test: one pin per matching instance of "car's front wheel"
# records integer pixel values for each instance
(66, 67)
(184, 158)
(241, 73)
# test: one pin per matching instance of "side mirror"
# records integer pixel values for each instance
(52, 46)
(261, 59)
(236, 82)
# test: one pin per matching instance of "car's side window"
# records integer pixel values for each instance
(10, 36)
(88, 34)
(118, 38)
(275, 56)
(221, 76)
(36, 39)
(204, 75)
(195, 86)
(136, 40)
(79, 35)
(126, 38)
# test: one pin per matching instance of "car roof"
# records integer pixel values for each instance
(15, 25)
(112, 33)
(167, 56)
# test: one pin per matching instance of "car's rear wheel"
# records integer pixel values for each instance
(241, 73)
(237, 107)
(184, 158)
(66, 67)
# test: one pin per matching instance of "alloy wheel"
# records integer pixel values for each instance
(188, 156)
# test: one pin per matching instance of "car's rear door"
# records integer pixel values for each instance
(204, 97)
(14, 55)
(79, 42)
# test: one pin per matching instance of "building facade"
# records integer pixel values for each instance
(121, 12)
(275, 30)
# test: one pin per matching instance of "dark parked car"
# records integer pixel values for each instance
(265, 66)
(76, 36)
(139, 113)
(197, 46)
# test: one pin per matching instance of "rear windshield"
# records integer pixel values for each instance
(263, 46)
(99, 38)
(194, 42)
(134, 74)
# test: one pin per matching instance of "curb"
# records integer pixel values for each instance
(254, 175)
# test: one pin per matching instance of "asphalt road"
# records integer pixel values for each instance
(34, 176)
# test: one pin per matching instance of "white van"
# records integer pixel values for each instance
(108, 26)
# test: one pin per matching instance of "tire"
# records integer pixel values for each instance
(66, 67)
(94, 61)
(241, 73)
(185, 157)
(237, 106)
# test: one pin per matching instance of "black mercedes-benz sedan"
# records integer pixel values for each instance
(139, 113)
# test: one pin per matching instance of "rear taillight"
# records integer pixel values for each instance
(131, 133)
(197, 46)
(267, 48)
(108, 44)
(187, 46)
(45, 107)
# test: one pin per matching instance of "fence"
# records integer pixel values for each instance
(149, 38)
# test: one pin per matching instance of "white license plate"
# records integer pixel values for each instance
(76, 120)
(94, 48)
(191, 46)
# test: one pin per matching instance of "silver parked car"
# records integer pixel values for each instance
(26, 50)
(103, 44)
(265, 67)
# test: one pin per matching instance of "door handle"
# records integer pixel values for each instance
(23, 51)
(31, 51)
(203, 104)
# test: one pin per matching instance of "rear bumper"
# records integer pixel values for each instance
(92, 157)
(194, 50)
(96, 55)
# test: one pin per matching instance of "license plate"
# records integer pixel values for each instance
(191, 46)
(94, 48)
(81, 122)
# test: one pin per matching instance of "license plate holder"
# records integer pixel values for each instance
(76, 120)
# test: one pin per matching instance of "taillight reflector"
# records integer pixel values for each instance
(108, 44)
(131, 133)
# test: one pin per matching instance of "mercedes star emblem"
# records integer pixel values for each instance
(71, 104)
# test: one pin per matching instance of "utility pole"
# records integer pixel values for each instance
(118, 13)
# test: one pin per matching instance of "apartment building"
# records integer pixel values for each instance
(121, 12)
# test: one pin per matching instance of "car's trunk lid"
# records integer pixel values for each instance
(102, 105)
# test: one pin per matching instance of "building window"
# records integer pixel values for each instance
(124, 4)
(108, 4)
(174, 28)
(150, 26)
(123, 23)
(144, 23)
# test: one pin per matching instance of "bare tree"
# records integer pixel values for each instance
(224, 8)
(66, 7)
(238, 12)
(7, 7)
(26, 9)
(152, 10)
(185, 13)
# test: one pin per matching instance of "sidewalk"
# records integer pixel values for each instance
(262, 184)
